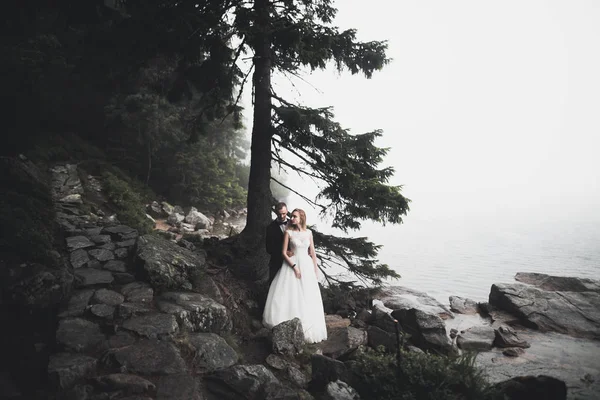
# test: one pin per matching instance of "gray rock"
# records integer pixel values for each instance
(197, 219)
(151, 357)
(103, 311)
(167, 208)
(277, 362)
(532, 387)
(325, 370)
(77, 303)
(463, 306)
(107, 296)
(72, 199)
(124, 382)
(121, 253)
(507, 337)
(339, 390)
(427, 331)
(559, 283)
(123, 278)
(121, 339)
(241, 381)
(138, 292)
(195, 312)
(152, 325)
(110, 247)
(207, 286)
(178, 387)
(342, 341)
(128, 310)
(95, 231)
(478, 338)
(78, 242)
(115, 266)
(79, 258)
(100, 239)
(167, 266)
(175, 219)
(573, 313)
(513, 351)
(402, 298)
(78, 335)
(378, 337)
(92, 276)
(120, 232)
(65, 369)
(212, 352)
(296, 376)
(288, 337)
(101, 254)
(126, 243)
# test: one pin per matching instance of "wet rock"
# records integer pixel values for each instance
(138, 292)
(115, 266)
(339, 390)
(531, 387)
(79, 258)
(573, 313)
(77, 303)
(288, 337)
(559, 283)
(124, 382)
(78, 242)
(128, 310)
(241, 381)
(463, 306)
(165, 265)
(427, 331)
(64, 369)
(154, 325)
(102, 311)
(178, 387)
(513, 351)
(507, 337)
(151, 357)
(342, 341)
(109, 297)
(92, 276)
(101, 254)
(78, 335)
(478, 338)
(195, 312)
(325, 370)
(402, 298)
(212, 352)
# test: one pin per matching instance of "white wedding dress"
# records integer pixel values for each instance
(290, 297)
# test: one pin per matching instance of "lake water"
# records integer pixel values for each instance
(465, 255)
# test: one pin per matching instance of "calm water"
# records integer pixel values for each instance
(465, 256)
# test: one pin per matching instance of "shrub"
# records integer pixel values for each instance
(130, 208)
(420, 376)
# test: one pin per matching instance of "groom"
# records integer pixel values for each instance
(274, 240)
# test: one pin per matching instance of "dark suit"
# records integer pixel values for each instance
(274, 243)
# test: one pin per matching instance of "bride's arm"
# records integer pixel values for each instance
(313, 254)
(288, 260)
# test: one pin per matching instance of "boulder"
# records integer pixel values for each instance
(288, 337)
(126, 383)
(78, 335)
(326, 369)
(573, 313)
(175, 219)
(165, 265)
(559, 283)
(211, 352)
(342, 341)
(336, 321)
(195, 312)
(107, 296)
(197, 219)
(120, 232)
(92, 276)
(78, 242)
(507, 337)
(138, 292)
(178, 387)
(128, 310)
(152, 325)
(102, 254)
(151, 357)
(241, 381)
(378, 337)
(461, 305)
(402, 298)
(77, 303)
(115, 266)
(339, 390)
(531, 387)
(478, 338)
(79, 258)
(103, 311)
(427, 331)
(65, 369)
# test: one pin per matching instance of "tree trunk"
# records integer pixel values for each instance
(259, 189)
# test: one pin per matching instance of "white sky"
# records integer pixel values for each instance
(490, 107)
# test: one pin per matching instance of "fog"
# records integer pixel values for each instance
(490, 109)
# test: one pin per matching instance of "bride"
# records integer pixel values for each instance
(294, 291)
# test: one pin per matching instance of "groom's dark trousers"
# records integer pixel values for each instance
(274, 243)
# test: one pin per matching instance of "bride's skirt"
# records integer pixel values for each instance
(290, 297)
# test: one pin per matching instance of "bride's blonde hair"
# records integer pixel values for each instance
(302, 222)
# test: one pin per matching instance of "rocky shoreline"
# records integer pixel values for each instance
(142, 317)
